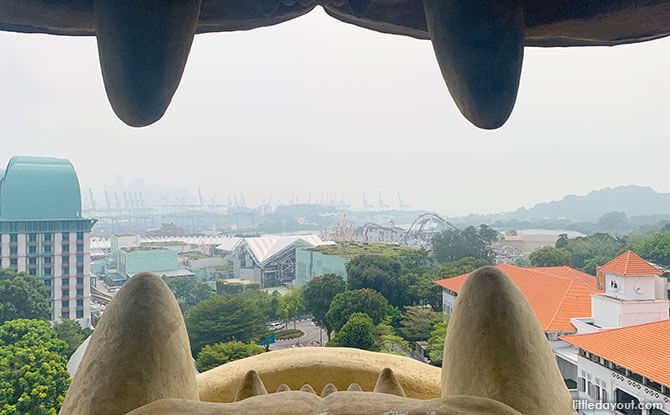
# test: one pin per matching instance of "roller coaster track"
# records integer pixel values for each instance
(417, 235)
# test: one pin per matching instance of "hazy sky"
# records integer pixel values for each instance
(318, 106)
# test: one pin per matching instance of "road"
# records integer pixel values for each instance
(310, 339)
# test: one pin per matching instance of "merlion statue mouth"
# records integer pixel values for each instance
(497, 360)
(143, 45)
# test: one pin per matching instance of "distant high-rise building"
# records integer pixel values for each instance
(43, 233)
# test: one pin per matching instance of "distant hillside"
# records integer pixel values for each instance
(641, 205)
(632, 200)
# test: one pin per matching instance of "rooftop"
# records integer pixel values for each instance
(629, 263)
(644, 349)
(39, 188)
(265, 248)
(556, 294)
(349, 250)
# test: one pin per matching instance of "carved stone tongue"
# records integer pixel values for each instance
(143, 46)
(479, 46)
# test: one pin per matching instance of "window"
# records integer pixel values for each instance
(32, 261)
(13, 250)
(32, 271)
(66, 270)
(80, 292)
(47, 237)
(65, 260)
(32, 249)
(619, 369)
(32, 237)
(13, 262)
(65, 293)
(80, 259)
(47, 282)
(65, 281)
(653, 385)
(581, 383)
(47, 260)
(66, 236)
(47, 271)
(80, 281)
(66, 249)
(80, 269)
(13, 238)
(635, 376)
(80, 303)
(47, 249)
(80, 236)
(625, 398)
(80, 313)
(65, 313)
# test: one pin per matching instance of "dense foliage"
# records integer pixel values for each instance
(656, 248)
(318, 293)
(436, 342)
(356, 332)
(347, 303)
(292, 306)
(22, 296)
(33, 374)
(214, 355)
(71, 332)
(382, 274)
(223, 319)
(550, 257)
(452, 245)
(418, 322)
(188, 292)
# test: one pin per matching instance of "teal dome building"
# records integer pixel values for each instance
(42, 231)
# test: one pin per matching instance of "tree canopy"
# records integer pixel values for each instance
(188, 292)
(418, 322)
(593, 250)
(382, 274)
(436, 342)
(550, 257)
(318, 293)
(71, 332)
(452, 245)
(347, 303)
(356, 332)
(33, 374)
(214, 355)
(222, 319)
(655, 248)
(22, 296)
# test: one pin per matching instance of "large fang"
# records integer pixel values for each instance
(143, 46)
(328, 389)
(479, 47)
(387, 383)
(251, 385)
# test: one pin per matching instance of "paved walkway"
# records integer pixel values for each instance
(310, 339)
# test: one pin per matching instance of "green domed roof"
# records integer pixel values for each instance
(39, 188)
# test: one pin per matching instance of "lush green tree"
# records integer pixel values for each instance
(382, 274)
(187, 291)
(71, 332)
(347, 303)
(591, 264)
(550, 257)
(418, 322)
(394, 344)
(24, 333)
(214, 355)
(22, 296)
(222, 319)
(393, 316)
(319, 293)
(436, 342)
(655, 248)
(357, 332)
(613, 221)
(33, 380)
(562, 241)
(292, 306)
(598, 245)
(452, 245)
(33, 374)
(268, 303)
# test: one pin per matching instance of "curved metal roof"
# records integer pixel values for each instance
(39, 188)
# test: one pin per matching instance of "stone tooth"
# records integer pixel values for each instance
(307, 388)
(387, 383)
(143, 46)
(354, 387)
(485, 345)
(328, 389)
(138, 353)
(479, 47)
(283, 388)
(251, 385)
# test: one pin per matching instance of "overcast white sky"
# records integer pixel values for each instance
(318, 106)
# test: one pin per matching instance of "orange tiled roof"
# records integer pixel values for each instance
(644, 349)
(629, 263)
(555, 296)
(571, 273)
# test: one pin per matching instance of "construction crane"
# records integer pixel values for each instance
(90, 192)
(382, 205)
(109, 207)
(116, 197)
(202, 202)
(401, 205)
(365, 202)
